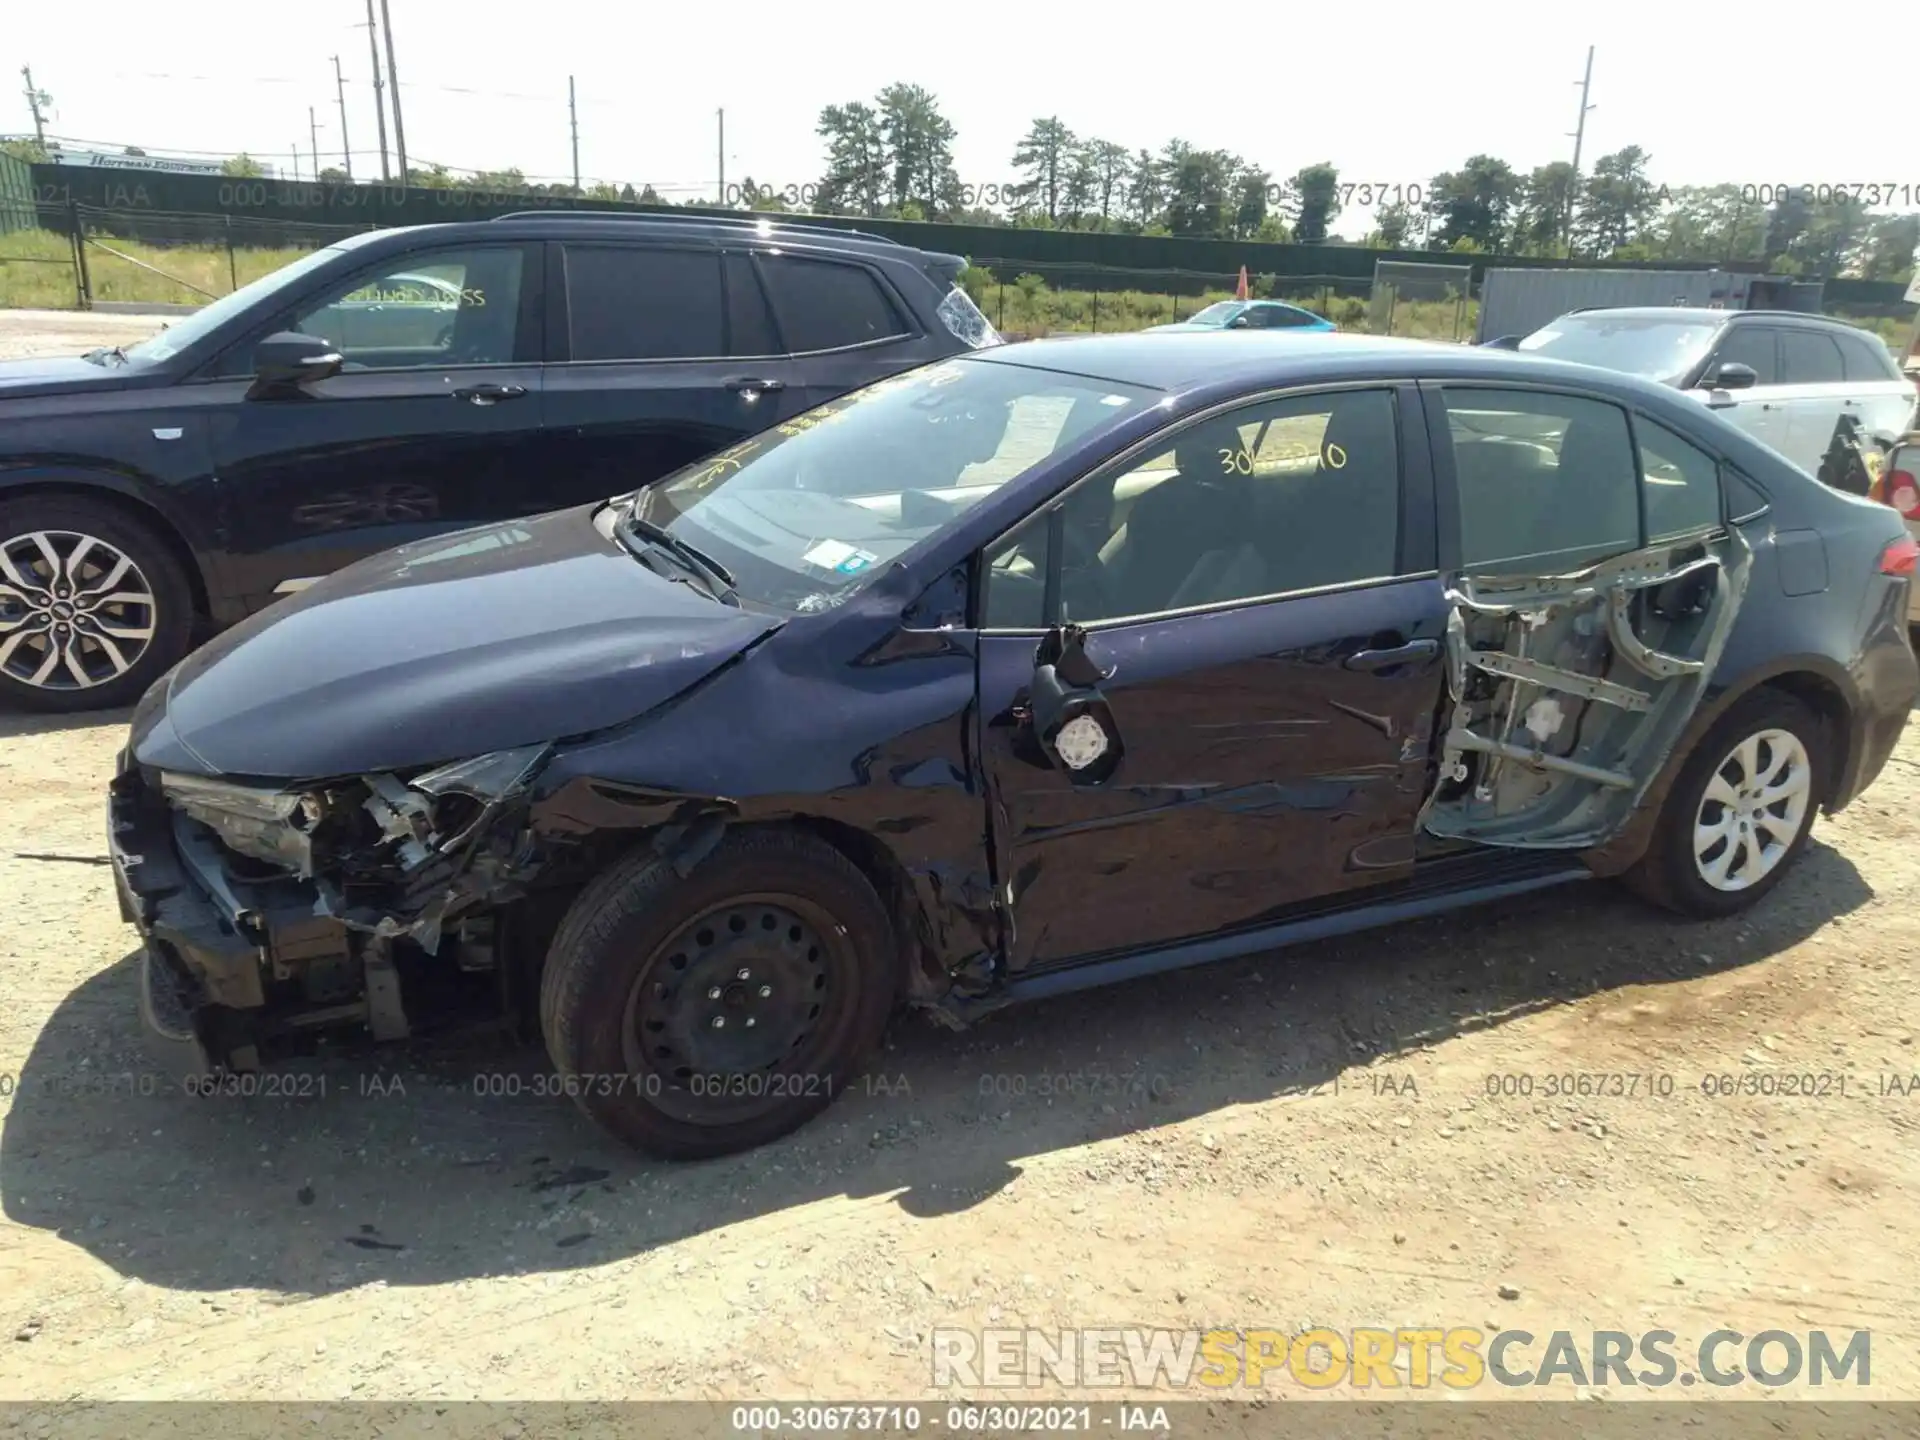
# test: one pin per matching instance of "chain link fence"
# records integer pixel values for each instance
(78, 257)
(1431, 302)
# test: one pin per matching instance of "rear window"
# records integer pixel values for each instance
(826, 306)
(1864, 357)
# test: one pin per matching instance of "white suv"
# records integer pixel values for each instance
(1784, 377)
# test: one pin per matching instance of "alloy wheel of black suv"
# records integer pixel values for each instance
(94, 606)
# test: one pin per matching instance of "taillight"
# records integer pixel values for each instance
(1903, 493)
(1898, 558)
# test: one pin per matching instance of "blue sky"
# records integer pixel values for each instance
(1390, 92)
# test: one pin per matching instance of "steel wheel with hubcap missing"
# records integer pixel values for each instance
(75, 611)
(705, 1013)
(1753, 810)
(719, 1021)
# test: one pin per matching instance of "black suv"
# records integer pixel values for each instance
(408, 382)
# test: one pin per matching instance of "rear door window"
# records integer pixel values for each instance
(634, 303)
(1680, 482)
(1545, 480)
(826, 305)
(1808, 357)
(749, 323)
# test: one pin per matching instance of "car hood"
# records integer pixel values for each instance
(483, 640)
(58, 372)
(1182, 326)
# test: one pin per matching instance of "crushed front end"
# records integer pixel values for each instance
(272, 914)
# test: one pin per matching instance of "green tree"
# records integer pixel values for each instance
(1891, 245)
(1109, 163)
(1545, 210)
(242, 166)
(1705, 222)
(1199, 189)
(1146, 189)
(1313, 202)
(856, 179)
(333, 175)
(919, 145)
(1044, 157)
(1835, 239)
(1473, 203)
(1251, 185)
(25, 147)
(1616, 202)
(1392, 225)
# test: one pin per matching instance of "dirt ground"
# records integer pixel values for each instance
(1304, 1139)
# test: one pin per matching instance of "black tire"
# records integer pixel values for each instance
(169, 617)
(166, 1024)
(1670, 873)
(639, 957)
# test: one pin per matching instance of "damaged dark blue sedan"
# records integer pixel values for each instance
(1045, 667)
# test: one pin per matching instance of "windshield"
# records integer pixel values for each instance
(176, 337)
(1659, 347)
(1218, 313)
(806, 512)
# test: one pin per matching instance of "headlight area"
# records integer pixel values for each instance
(334, 891)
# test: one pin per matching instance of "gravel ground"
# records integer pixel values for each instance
(1305, 1139)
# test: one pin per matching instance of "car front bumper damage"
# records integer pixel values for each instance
(256, 938)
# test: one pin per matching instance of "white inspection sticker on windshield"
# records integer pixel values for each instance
(838, 555)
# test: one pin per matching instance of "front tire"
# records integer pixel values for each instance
(94, 605)
(1741, 811)
(703, 1015)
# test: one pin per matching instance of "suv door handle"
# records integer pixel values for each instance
(488, 393)
(745, 383)
(1399, 655)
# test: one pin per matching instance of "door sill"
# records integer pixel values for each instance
(1451, 882)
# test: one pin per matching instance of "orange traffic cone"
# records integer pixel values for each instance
(1245, 292)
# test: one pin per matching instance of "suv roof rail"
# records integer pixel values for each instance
(694, 218)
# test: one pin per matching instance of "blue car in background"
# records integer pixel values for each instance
(1251, 315)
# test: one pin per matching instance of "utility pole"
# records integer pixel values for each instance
(393, 79)
(346, 150)
(35, 99)
(1579, 133)
(313, 139)
(573, 119)
(722, 200)
(295, 152)
(379, 109)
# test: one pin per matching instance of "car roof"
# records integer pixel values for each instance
(1702, 312)
(1276, 359)
(622, 225)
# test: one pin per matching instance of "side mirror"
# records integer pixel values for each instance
(1503, 342)
(1732, 376)
(1072, 721)
(1239, 322)
(291, 359)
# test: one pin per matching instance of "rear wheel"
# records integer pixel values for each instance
(1740, 812)
(94, 606)
(700, 1016)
